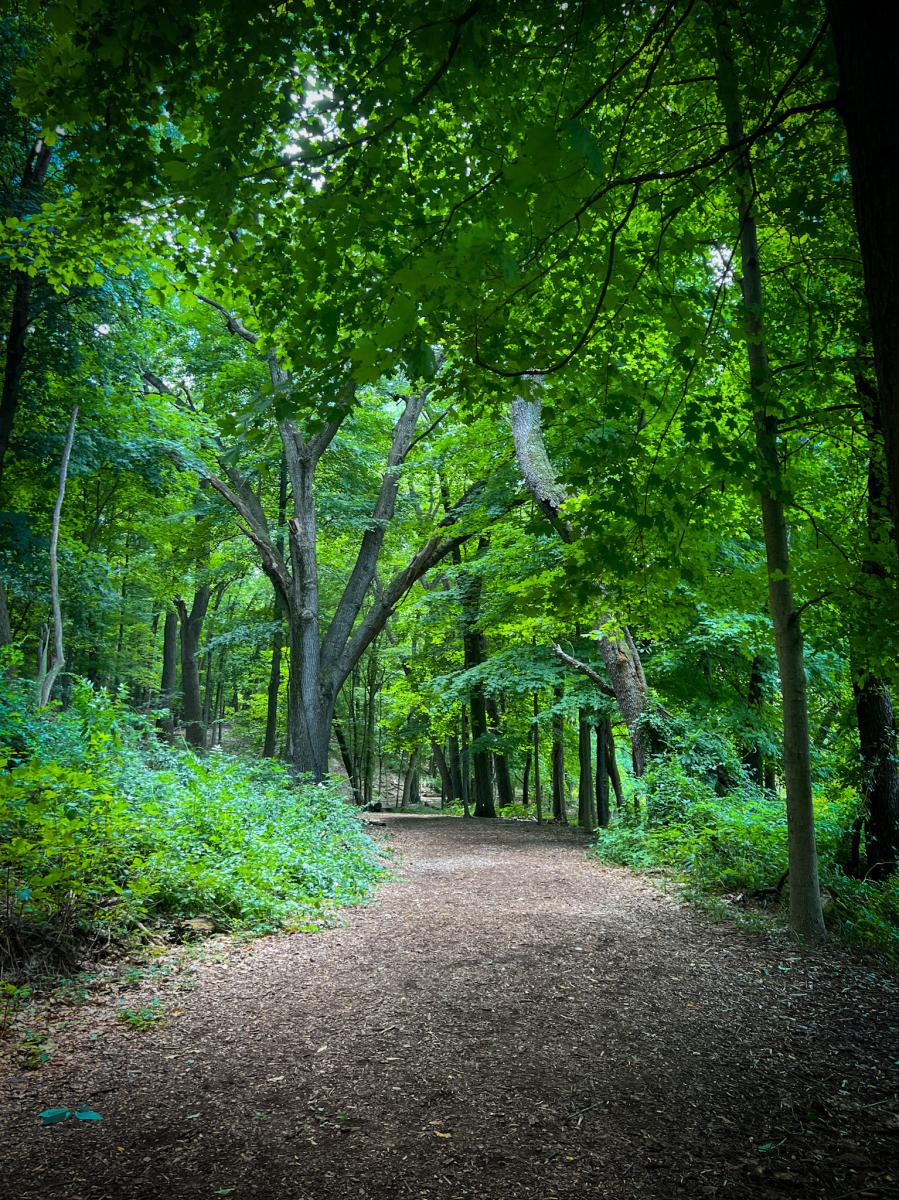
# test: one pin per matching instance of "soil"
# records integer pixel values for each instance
(507, 1019)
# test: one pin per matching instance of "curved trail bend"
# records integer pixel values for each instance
(507, 1019)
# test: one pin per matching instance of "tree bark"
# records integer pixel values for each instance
(49, 670)
(586, 807)
(168, 683)
(505, 796)
(877, 742)
(601, 779)
(620, 655)
(526, 779)
(348, 764)
(191, 632)
(538, 790)
(806, 914)
(560, 812)
(473, 645)
(752, 757)
(867, 101)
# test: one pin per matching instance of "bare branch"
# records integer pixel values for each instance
(583, 669)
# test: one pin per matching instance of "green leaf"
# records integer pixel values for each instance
(52, 1116)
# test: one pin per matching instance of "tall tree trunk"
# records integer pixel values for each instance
(601, 778)
(560, 812)
(752, 756)
(868, 100)
(877, 742)
(455, 766)
(473, 644)
(806, 914)
(586, 810)
(191, 632)
(270, 742)
(49, 669)
(620, 654)
(411, 793)
(446, 779)
(526, 779)
(466, 763)
(169, 679)
(538, 790)
(348, 764)
(504, 793)
(5, 627)
(612, 764)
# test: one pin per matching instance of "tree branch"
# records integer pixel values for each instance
(583, 669)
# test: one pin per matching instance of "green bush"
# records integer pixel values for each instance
(738, 843)
(102, 826)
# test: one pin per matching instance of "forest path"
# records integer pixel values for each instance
(508, 1019)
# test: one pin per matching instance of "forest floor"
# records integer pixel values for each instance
(509, 1018)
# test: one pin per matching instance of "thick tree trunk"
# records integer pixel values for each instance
(877, 741)
(868, 100)
(586, 810)
(191, 631)
(806, 915)
(560, 812)
(411, 790)
(168, 683)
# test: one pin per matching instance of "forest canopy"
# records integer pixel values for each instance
(497, 403)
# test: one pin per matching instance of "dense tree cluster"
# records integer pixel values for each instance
(499, 395)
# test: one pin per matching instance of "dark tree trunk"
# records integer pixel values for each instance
(538, 790)
(877, 741)
(455, 766)
(526, 779)
(348, 764)
(191, 631)
(411, 790)
(612, 764)
(601, 779)
(868, 100)
(466, 766)
(270, 743)
(560, 813)
(473, 644)
(446, 779)
(505, 796)
(586, 811)
(752, 757)
(169, 672)
(5, 627)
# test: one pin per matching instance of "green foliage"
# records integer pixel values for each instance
(737, 843)
(101, 826)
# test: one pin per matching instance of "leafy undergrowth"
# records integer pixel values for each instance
(736, 846)
(104, 831)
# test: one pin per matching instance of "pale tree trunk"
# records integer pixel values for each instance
(48, 669)
(806, 915)
(620, 655)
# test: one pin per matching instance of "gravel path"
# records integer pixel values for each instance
(507, 1019)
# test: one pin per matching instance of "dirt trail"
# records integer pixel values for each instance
(509, 1019)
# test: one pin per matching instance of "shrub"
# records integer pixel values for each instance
(102, 826)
